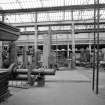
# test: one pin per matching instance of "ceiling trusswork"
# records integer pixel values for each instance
(84, 14)
(22, 12)
(26, 4)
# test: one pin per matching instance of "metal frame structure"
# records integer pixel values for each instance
(57, 23)
(77, 31)
(57, 8)
(95, 23)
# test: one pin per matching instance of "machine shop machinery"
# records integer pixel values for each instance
(11, 34)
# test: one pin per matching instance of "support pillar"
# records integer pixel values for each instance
(0, 54)
(95, 82)
(3, 16)
(73, 46)
(89, 43)
(73, 41)
(94, 57)
(25, 58)
(12, 53)
(97, 73)
(1, 60)
(68, 53)
(90, 48)
(25, 63)
(47, 48)
(35, 40)
(56, 51)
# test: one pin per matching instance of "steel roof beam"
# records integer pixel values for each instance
(57, 8)
(56, 23)
(77, 31)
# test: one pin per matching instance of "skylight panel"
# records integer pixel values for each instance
(30, 29)
(42, 28)
(42, 17)
(48, 16)
(10, 4)
(0, 17)
(78, 2)
(4, 1)
(5, 6)
(102, 14)
(67, 15)
(18, 4)
(54, 16)
(52, 3)
(101, 1)
(31, 4)
(15, 6)
(77, 15)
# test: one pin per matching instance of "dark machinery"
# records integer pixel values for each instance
(9, 71)
(85, 57)
(30, 75)
(4, 76)
(7, 33)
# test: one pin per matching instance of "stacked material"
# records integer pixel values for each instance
(3, 84)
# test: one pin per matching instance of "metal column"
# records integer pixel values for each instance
(3, 17)
(73, 47)
(25, 63)
(73, 43)
(95, 81)
(1, 46)
(89, 43)
(56, 51)
(68, 52)
(97, 73)
(36, 39)
(68, 55)
(47, 48)
(0, 54)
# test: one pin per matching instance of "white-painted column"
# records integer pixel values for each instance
(47, 48)
(73, 41)
(56, 49)
(89, 43)
(68, 52)
(36, 39)
(73, 46)
(68, 38)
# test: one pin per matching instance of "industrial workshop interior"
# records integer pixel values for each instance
(52, 52)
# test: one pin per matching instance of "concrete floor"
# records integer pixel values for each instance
(71, 87)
